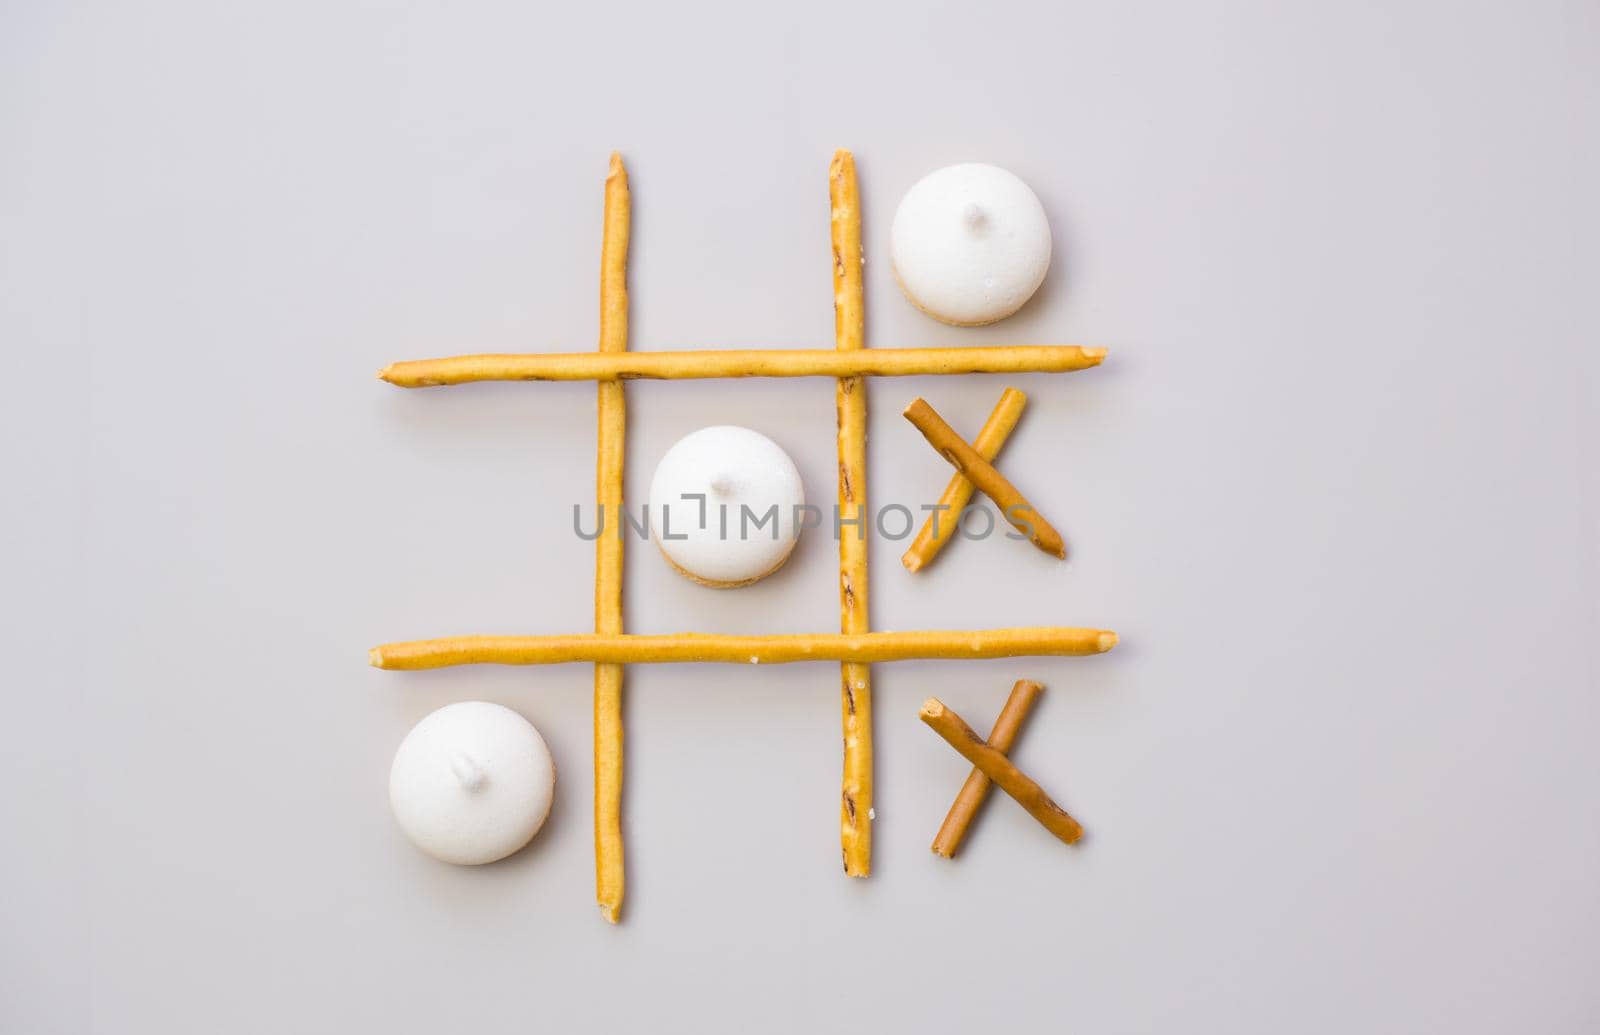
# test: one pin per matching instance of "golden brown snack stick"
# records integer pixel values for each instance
(1013, 506)
(611, 448)
(710, 363)
(940, 527)
(781, 649)
(850, 397)
(998, 768)
(972, 794)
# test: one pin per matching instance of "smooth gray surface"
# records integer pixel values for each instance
(1336, 488)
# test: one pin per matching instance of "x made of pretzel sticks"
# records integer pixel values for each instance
(971, 465)
(975, 791)
(942, 524)
(991, 761)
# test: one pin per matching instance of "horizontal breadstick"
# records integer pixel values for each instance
(707, 363)
(998, 768)
(972, 794)
(941, 525)
(1013, 506)
(628, 649)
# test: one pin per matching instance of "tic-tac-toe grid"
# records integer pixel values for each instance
(855, 646)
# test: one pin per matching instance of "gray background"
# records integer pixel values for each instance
(1336, 488)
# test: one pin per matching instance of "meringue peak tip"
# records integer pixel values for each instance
(468, 771)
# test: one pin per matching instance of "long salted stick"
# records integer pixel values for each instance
(1015, 508)
(998, 768)
(612, 437)
(850, 396)
(782, 649)
(712, 363)
(941, 525)
(972, 794)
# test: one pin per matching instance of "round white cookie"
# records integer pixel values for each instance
(723, 506)
(970, 244)
(472, 783)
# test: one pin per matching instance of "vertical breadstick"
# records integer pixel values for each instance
(940, 527)
(998, 768)
(612, 437)
(1013, 506)
(855, 813)
(976, 789)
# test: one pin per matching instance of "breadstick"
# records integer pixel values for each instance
(998, 768)
(850, 397)
(781, 649)
(1013, 506)
(711, 363)
(972, 794)
(940, 527)
(612, 437)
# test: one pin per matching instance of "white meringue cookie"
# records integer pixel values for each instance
(970, 244)
(472, 783)
(730, 537)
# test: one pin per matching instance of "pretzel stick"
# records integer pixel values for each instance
(632, 649)
(941, 525)
(972, 794)
(611, 448)
(998, 768)
(989, 481)
(710, 363)
(850, 397)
